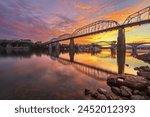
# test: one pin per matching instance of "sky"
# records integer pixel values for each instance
(43, 20)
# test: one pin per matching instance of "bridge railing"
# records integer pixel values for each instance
(141, 15)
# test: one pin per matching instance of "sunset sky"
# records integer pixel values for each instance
(46, 19)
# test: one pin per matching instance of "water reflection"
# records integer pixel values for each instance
(57, 75)
(120, 59)
(94, 72)
(21, 53)
(71, 55)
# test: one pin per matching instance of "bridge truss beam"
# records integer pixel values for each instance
(139, 16)
(96, 26)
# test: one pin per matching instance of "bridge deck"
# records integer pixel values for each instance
(105, 30)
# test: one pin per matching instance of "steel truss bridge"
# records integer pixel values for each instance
(135, 19)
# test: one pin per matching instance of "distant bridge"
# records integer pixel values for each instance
(113, 45)
(135, 46)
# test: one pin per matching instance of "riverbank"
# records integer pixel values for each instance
(125, 87)
(144, 57)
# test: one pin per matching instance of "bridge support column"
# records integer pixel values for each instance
(121, 50)
(71, 44)
(57, 49)
(50, 46)
(57, 46)
(134, 51)
(71, 55)
(113, 51)
(71, 50)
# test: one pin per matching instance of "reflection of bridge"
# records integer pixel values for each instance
(112, 55)
(120, 60)
(138, 18)
(112, 44)
(94, 72)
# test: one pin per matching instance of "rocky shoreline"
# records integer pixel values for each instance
(125, 87)
(143, 71)
(144, 57)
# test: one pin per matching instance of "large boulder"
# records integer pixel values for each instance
(101, 91)
(112, 96)
(145, 74)
(144, 57)
(137, 92)
(143, 71)
(131, 81)
(116, 90)
(87, 92)
(103, 94)
(144, 68)
(101, 97)
(122, 91)
(125, 91)
(94, 95)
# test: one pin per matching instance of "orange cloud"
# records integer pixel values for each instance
(19, 26)
(122, 14)
(82, 6)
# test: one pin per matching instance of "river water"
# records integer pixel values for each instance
(43, 76)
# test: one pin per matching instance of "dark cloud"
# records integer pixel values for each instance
(19, 21)
(46, 19)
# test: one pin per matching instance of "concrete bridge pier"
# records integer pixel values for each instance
(113, 52)
(121, 50)
(56, 50)
(71, 55)
(57, 46)
(71, 44)
(71, 50)
(134, 51)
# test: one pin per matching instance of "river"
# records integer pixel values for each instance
(43, 76)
